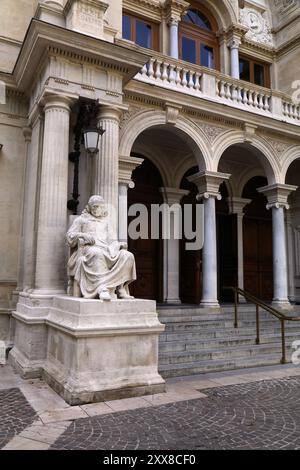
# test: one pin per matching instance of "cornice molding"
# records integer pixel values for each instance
(43, 40)
(147, 8)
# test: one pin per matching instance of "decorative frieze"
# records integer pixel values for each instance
(211, 132)
(279, 146)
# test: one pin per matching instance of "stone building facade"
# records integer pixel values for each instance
(196, 98)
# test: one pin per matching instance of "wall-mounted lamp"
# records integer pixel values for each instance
(92, 139)
(86, 134)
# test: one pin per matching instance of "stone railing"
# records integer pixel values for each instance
(177, 75)
(169, 73)
(290, 110)
(243, 94)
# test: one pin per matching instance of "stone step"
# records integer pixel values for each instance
(201, 367)
(243, 351)
(238, 340)
(207, 325)
(221, 333)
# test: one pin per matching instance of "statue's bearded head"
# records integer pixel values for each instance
(96, 206)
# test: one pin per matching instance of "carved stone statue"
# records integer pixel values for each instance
(99, 265)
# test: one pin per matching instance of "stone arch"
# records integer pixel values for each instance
(263, 151)
(289, 157)
(185, 128)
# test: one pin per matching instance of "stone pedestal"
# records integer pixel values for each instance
(90, 350)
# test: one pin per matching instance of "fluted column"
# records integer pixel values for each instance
(107, 163)
(236, 206)
(277, 195)
(208, 184)
(52, 220)
(27, 132)
(172, 197)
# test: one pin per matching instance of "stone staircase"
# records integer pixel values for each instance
(197, 340)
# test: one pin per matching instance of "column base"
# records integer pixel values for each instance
(282, 304)
(212, 305)
(173, 302)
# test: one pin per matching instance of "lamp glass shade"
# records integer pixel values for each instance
(91, 140)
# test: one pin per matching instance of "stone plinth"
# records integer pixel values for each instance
(99, 350)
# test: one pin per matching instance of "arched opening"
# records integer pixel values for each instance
(148, 252)
(247, 228)
(198, 42)
(164, 148)
(257, 236)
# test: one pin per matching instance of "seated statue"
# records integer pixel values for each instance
(100, 266)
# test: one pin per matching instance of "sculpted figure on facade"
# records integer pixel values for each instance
(99, 266)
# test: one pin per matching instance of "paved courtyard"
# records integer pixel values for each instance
(248, 409)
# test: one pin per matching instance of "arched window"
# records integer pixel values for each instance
(198, 41)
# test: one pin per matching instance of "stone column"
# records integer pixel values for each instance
(31, 199)
(291, 255)
(106, 162)
(236, 206)
(52, 220)
(277, 195)
(174, 10)
(174, 39)
(126, 167)
(234, 45)
(208, 184)
(27, 132)
(171, 246)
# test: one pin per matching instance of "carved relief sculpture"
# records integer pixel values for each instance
(259, 28)
(98, 266)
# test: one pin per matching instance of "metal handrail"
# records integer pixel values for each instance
(260, 304)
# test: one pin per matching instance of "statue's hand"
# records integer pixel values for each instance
(123, 246)
(85, 239)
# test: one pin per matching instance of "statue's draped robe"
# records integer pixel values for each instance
(99, 266)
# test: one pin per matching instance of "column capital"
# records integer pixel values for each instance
(237, 205)
(208, 183)
(173, 195)
(277, 195)
(235, 34)
(58, 100)
(110, 112)
(126, 166)
(174, 10)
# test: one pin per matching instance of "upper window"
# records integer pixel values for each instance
(197, 18)
(198, 42)
(142, 32)
(254, 71)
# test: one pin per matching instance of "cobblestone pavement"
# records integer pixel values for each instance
(243, 409)
(15, 414)
(261, 415)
